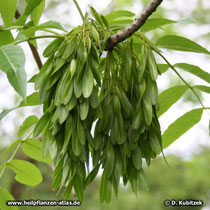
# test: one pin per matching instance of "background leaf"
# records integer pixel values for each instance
(118, 14)
(169, 97)
(197, 71)
(180, 43)
(181, 125)
(50, 24)
(37, 13)
(5, 196)
(26, 172)
(163, 67)
(12, 62)
(202, 88)
(31, 100)
(31, 5)
(154, 23)
(7, 10)
(10, 148)
(5, 38)
(28, 122)
(33, 149)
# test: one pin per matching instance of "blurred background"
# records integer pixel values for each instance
(188, 157)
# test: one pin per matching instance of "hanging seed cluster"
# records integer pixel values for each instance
(103, 107)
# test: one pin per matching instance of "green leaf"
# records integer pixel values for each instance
(197, 71)
(154, 23)
(7, 11)
(169, 97)
(162, 68)
(41, 124)
(31, 5)
(37, 13)
(5, 112)
(50, 24)
(6, 196)
(28, 122)
(119, 14)
(26, 172)
(12, 62)
(181, 125)
(31, 100)
(180, 43)
(202, 88)
(121, 23)
(33, 149)
(10, 148)
(5, 37)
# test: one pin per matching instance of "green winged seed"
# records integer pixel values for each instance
(78, 185)
(73, 67)
(92, 175)
(108, 191)
(44, 73)
(143, 86)
(52, 47)
(70, 48)
(41, 124)
(96, 16)
(77, 88)
(94, 100)
(81, 133)
(152, 91)
(147, 108)
(137, 158)
(84, 108)
(126, 103)
(109, 161)
(95, 35)
(154, 142)
(76, 146)
(87, 83)
(95, 70)
(94, 52)
(58, 65)
(63, 114)
(116, 104)
(101, 189)
(138, 118)
(152, 66)
(69, 94)
(72, 103)
(56, 129)
(69, 127)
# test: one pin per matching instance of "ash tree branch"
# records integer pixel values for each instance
(135, 26)
(33, 49)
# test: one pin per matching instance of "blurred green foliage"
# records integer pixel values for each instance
(184, 179)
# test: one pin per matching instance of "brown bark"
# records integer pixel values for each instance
(135, 26)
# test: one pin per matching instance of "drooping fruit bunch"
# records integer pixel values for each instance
(98, 106)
